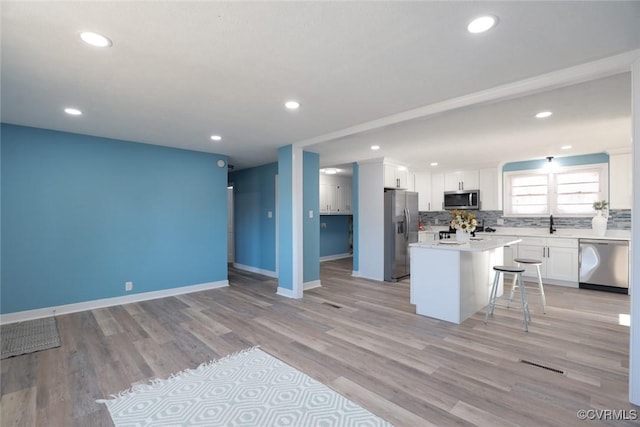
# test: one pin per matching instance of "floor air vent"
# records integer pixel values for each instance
(332, 305)
(548, 368)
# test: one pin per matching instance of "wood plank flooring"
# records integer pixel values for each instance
(358, 336)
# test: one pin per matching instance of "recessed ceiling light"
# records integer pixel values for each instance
(331, 171)
(482, 24)
(216, 137)
(375, 147)
(292, 105)
(73, 111)
(95, 39)
(433, 163)
(566, 147)
(544, 114)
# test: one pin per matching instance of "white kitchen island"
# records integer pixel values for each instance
(451, 281)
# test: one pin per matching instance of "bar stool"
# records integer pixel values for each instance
(537, 263)
(517, 271)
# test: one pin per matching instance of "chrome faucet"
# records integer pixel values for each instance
(552, 229)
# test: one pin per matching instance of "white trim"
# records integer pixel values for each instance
(355, 273)
(107, 302)
(255, 270)
(286, 293)
(312, 285)
(337, 256)
(581, 73)
(634, 255)
(297, 222)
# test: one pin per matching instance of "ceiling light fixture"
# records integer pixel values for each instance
(433, 164)
(375, 147)
(95, 39)
(544, 114)
(331, 171)
(566, 147)
(73, 111)
(292, 105)
(482, 24)
(216, 137)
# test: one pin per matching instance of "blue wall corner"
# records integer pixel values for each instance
(254, 196)
(311, 226)
(334, 235)
(82, 215)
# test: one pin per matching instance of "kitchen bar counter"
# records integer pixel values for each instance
(452, 282)
(576, 233)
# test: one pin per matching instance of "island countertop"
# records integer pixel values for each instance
(478, 244)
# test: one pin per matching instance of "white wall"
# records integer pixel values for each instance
(371, 220)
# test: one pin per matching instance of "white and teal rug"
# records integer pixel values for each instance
(249, 388)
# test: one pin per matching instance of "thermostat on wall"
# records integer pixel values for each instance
(221, 163)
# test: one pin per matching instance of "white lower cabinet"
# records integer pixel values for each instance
(559, 257)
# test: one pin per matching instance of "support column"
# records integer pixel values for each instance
(290, 232)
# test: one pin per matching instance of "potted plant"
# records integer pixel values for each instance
(464, 223)
(599, 221)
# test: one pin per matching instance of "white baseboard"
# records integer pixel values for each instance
(355, 273)
(337, 256)
(106, 302)
(286, 293)
(255, 270)
(312, 285)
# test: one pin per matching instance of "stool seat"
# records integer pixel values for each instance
(508, 268)
(528, 261)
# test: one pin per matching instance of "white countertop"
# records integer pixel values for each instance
(480, 244)
(575, 233)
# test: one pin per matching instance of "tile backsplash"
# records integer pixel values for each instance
(619, 219)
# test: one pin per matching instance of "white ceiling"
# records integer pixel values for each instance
(181, 71)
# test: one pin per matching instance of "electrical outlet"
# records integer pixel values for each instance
(436, 221)
(128, 286)
(269, 214)
(500, 221)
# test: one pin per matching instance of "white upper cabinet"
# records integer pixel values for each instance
(423, 187)
(396, 176)
(461, 180)
(336, 195)
(488, 187)
(437, 192)
(620, 181)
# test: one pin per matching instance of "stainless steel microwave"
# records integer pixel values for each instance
(463, 199)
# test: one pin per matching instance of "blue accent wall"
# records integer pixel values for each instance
(254, 196)
(311, 226)
(334, 235)
(587, 159)
(285, 220)
(356, 228)
(82, 215)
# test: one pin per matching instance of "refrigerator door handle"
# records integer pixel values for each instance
(407, 218)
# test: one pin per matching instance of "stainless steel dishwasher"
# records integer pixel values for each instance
(604, 265)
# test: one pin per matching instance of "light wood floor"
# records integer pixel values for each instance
(359, 337)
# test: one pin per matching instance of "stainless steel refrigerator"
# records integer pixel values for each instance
(400, 229)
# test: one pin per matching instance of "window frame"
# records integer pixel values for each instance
(601, 168)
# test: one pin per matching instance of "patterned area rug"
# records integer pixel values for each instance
(249, 388)
(27, 337)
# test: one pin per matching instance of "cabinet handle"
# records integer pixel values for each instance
(429, 206)
(543, 252)
(548, 252)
